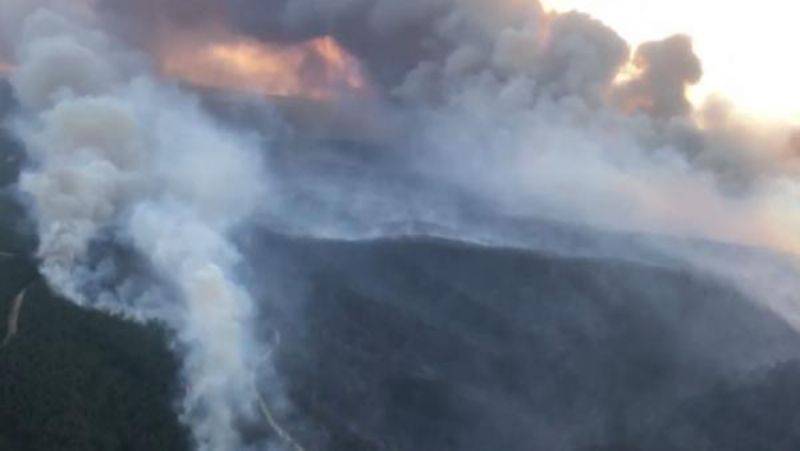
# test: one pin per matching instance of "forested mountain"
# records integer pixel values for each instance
(429, 344)
(74, 379)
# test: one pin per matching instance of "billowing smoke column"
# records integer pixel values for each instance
(117, 157)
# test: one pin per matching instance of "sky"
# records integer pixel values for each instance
(748, 51)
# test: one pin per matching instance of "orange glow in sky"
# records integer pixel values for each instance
(315, 69)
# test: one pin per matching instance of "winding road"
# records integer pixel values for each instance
(12, 322)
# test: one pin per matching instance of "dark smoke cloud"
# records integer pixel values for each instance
(368, 28)
(401, 43)
(665, 69)
(583, 56)
(393, 39)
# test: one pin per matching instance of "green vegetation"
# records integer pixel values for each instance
(80, 380)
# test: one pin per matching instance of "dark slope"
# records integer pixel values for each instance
(79, 380)
(433, 345)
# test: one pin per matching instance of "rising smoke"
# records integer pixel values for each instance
(465, 103)
(116, 156)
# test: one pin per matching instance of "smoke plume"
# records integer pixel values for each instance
(118, 157)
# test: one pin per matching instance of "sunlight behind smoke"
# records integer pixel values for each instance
(724, 48)
(317, 69)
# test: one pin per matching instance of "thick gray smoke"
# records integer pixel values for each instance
(504, 104)
(526, 109)
(116, 156)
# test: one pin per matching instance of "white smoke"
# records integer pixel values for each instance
(116, 155)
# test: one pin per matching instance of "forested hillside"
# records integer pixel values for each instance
(424, 344)
(79, 380)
